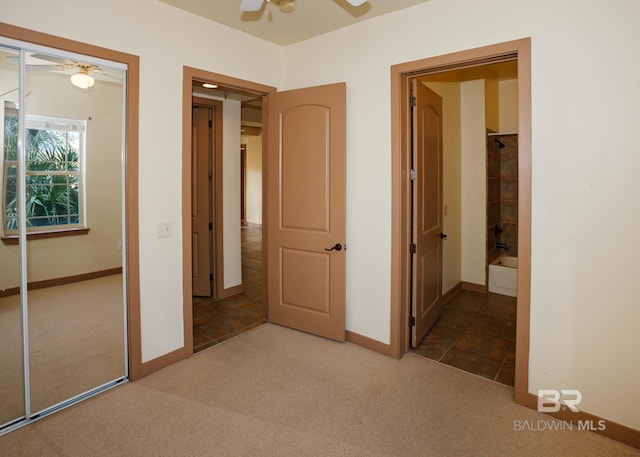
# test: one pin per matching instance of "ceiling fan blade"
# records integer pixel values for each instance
(250, 6)
(356, 2)
(45, 67)
(54, 59)
(103, 73)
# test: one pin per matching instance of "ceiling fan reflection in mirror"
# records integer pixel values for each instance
(81, 73)
(286, 6)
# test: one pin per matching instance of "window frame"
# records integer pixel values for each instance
(52, 123)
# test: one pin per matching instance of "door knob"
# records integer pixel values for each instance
(337, 247)
(443, 236)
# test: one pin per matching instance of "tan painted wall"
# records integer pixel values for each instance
(492, 104)
(508, 106)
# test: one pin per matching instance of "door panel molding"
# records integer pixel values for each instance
(307, 204)
(427, 155)
(206, 199)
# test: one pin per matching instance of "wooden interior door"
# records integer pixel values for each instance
(427, 210)
(201, 242)
(306, 207)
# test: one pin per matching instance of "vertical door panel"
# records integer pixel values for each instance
(427, 210)
(307, 144)
(305, 168)
(201, 202)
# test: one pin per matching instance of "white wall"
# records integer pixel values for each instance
(452, 183)
(474, 181)
(231, 193)
(584, 307)
(253, 178)
(165, 38)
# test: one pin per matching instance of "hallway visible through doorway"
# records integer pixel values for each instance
(217, 320)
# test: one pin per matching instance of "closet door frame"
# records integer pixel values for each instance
(28, 40)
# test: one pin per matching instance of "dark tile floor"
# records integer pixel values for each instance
(476, 333)
(217, 320)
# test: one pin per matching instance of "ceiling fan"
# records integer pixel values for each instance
(286, 6)
(81, 76)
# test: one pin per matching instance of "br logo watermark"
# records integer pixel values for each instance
(552, 400)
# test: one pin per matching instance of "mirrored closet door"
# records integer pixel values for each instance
(62, 288)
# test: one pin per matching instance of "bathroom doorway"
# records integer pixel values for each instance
(471, 80)
(473, 325)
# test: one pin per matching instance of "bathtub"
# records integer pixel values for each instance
(503, 276)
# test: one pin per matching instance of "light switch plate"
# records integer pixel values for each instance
(165, 230)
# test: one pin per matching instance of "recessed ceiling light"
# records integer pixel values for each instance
(209, 86)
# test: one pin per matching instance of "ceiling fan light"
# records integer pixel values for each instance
(209, 85)
(286, 6)
(82, 80)
(356, 2)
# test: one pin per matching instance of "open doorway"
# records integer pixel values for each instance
(403, 77)
(226, 212)
(465, 188)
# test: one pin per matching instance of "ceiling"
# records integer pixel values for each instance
(309, 19)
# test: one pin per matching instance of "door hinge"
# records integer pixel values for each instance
(412, 321)
(413, 174)
(210, 276)
(412, 101)
(210, 225)
(210, 124)
(412, 248)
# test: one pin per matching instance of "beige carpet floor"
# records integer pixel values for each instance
(277, 392)
(76, 343)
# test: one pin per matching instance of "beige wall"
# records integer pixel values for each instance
(474, 181)
(508, 106)
(53, 95)
(253, 178)
(492, 104)
(452, 186)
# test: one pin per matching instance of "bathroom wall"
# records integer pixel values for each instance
(502, 167)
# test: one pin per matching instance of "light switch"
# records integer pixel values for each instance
(165, 230)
